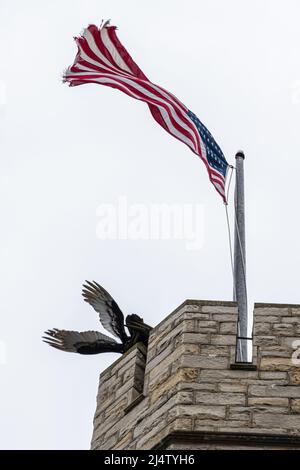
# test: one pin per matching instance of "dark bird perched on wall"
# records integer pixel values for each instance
(111, 318)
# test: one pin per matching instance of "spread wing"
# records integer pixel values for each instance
(110, 315)
(85, 342)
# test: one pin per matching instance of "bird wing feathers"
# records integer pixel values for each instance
(111, 316)
(85, 342)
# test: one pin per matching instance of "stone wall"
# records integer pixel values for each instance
(193, 395)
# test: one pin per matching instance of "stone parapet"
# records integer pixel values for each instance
(186, 392)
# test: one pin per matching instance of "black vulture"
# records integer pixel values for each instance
(111, 318)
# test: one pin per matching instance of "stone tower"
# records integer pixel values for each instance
(187, 392)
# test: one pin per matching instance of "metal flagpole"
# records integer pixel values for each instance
(240, 287)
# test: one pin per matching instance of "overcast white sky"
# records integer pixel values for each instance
(64, 152)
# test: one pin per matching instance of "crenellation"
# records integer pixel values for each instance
(184, 384)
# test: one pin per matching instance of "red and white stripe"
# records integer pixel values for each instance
(102, 59)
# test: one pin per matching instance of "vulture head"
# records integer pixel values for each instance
(111, 318)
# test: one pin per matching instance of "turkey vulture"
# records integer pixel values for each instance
(111, 318)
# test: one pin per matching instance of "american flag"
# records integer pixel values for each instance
(102, 59)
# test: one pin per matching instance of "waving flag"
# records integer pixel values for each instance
(102, 59)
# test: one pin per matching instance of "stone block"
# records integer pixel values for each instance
(159, 378)
(191, 348)
(123, 443)
(190, 308)
(225, 317)
(200, 412)
(234, 388)
(223, 340)
(162, 341)
(283, 329)
(290, 342)
(195, 338)
(215, 351)
(288, 391)
(196, 316)
(218, 398)
(183, 424)
(265, 341)
(273, 311)
(122, 391)
(231, 375)
(219, 310)
(276, 363)
(204, 362)
(155, 419)
(267, 319)
(107, 389)
(228, 328)
(273, 376)
(262, 328)
(268, 401)
(206, 324)
(294, 376)
(148, 439)
(184, 397)
(121, 364)
(206, 386)
(270, 421)
(153, 437)
(265, 382)
(295, 405)
(183, 375)
(293, 320)
(164, 359)
(220, 425)
(240, 413)
(275, 351)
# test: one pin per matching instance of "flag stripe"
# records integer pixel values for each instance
(148, 94)
(96, 41)
(136, 71)
(173, 123)
(118, 59)
(103, 59)
(90, 50)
